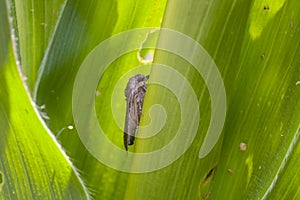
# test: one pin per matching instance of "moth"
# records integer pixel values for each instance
(135, 93)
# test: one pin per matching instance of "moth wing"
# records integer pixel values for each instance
(140, 100)
(132, 119)
(133, 107)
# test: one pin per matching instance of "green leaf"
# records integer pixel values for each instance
(257, 53)
(36, 21)
(32, 164)
(80, 26)
(255, 46)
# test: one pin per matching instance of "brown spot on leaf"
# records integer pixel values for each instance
(230, 171)
(243, 146)
(292, 24)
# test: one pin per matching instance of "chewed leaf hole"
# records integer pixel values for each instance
(206, 184)
(146, 54)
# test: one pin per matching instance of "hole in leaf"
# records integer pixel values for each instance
(1, 180)
(209, 174)
(206, 184)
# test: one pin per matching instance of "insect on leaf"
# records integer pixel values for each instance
(135, 93)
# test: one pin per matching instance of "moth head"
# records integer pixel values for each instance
(140, 77)
(134, 82)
